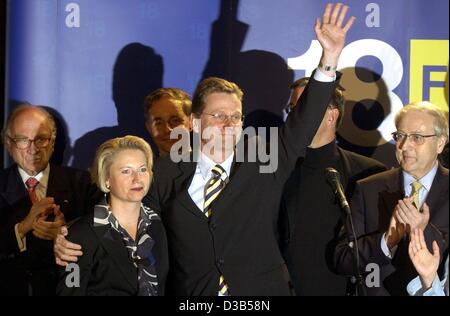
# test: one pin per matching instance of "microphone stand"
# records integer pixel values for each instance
(357, 279)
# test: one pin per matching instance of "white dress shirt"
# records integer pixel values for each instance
(202, 176)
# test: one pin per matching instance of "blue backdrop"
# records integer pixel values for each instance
(93, 62)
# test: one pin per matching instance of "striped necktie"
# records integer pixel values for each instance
(212, 190)
(416, 186)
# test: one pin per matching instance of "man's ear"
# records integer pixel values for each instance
(148, 126)
(332, 115)
(8, 145)
(441, 142)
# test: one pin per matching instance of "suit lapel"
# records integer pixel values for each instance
(439, 190)
(15, 194)
(15, 188)
(220, 205)
(59, 188)
(113, 244)
(181, 185)
(390, 197)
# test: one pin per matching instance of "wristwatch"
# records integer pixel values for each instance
(327, 67)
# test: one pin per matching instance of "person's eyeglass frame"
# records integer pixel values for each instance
(16, 140)
(415, 138)
(223, 118)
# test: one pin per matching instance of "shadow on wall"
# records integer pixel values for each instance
(138, 71)
(265, 79)
(263, 76)
(63, 149)
(359, 131)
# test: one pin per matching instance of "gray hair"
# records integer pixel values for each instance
(440, 116)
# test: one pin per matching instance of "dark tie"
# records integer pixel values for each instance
(212, 190)
(31, 184)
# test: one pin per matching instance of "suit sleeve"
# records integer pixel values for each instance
(8, 243)
(8, 239)
(369, 243)
(74, 279)
(301, 125)
(435, 231)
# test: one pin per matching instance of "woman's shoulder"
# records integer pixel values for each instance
(81, 230)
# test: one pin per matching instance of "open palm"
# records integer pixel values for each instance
(425, 262)
(330, 32)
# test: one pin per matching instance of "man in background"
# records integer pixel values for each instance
(310, 216)
(166, 109)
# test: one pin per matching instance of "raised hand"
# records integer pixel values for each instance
(426, 263)
(330, 32)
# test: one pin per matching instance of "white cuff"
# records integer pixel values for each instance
(320, 76)
(390, 253)
(21, 242)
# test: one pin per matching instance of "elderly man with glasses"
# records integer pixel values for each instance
(387, 207)
(36, 198)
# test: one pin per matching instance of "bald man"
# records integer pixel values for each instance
(36, 198)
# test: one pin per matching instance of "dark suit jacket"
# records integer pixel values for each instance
(239, 239)
(105, 266)
(32, 271)
(309, 201)
(372, 205)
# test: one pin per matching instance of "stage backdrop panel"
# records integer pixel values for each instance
(93, 62)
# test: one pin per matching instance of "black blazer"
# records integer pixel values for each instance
(319, 216)
(105, 266)
(239, 239)
(33, 271)
(372, 205)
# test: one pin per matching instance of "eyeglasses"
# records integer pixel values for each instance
(416, 139)
(25, 143)
(235, 118)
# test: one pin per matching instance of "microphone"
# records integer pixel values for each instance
(334, 179)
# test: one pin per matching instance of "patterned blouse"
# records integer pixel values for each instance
(139, 250)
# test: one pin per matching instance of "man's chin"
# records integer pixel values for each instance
(407, 166)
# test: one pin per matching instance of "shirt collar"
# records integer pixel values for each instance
(42, 176)
(205, 164)
(426, 180)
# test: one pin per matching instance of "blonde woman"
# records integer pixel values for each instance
(124, 242)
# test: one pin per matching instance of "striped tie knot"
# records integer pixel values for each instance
(217, 171)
